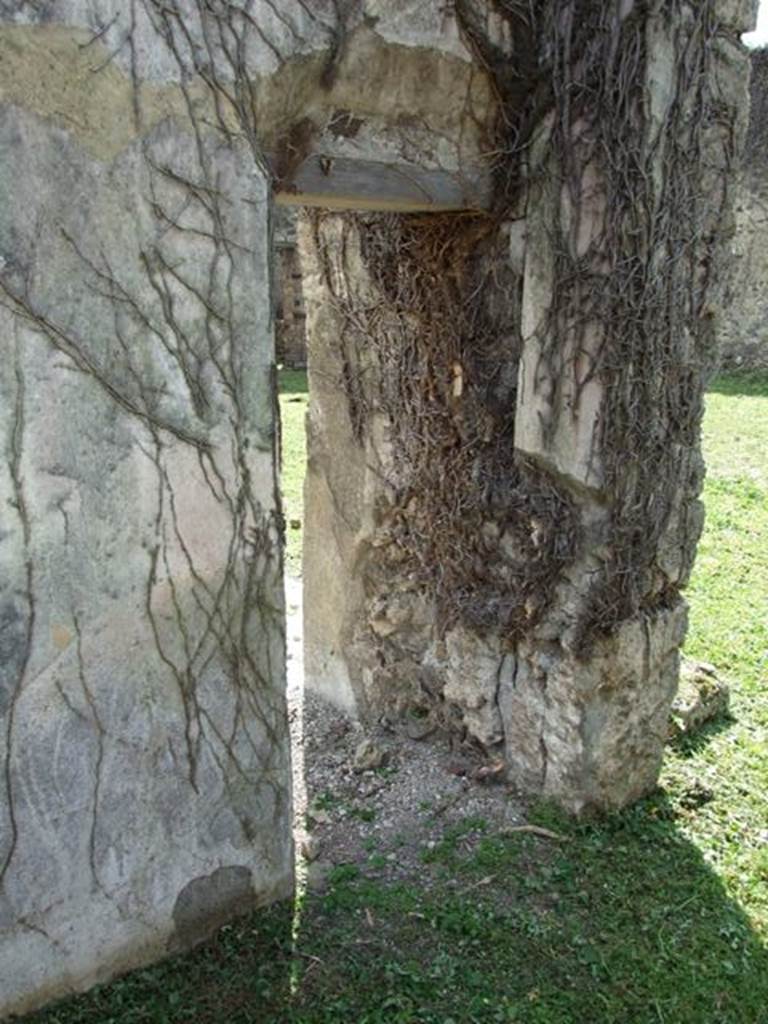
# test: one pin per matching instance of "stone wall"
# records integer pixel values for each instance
(290, 324)
(145, 765)
(144, 762)
(745, 326)
(290, 314)
(503, 454)
(503, 541)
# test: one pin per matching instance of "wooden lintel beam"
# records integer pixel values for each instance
(344, 183)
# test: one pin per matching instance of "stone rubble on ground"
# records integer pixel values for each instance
(368, 755)
(703, 696)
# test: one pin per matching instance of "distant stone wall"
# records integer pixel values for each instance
(745, 326)
(290, 321)
(290, 315)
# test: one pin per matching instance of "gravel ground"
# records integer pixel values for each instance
(377, 798)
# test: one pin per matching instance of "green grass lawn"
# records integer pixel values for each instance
(657, 915)
(293, 409)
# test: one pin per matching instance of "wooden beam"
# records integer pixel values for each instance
(343, 183)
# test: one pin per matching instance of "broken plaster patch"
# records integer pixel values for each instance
(208, 902)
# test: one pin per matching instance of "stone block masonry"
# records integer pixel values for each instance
(144, 760)
(518, 398)
(507, 365)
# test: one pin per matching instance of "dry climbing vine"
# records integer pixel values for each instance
(486, 533)
(479, 530)
(638, 298)
(155, 317)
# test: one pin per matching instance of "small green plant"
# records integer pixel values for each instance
(343, 873)
(366, 814)
(326, 801)
(446, 849)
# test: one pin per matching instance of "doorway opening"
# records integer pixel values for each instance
(373, 791)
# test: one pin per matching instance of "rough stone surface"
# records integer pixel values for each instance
(143, 742)
(582, 721)
(339, 493)
(290, 315)
(586, 731)
(144, 764)
(745, 331)
(551, 425)
(740, 15)
(702, 697)
(476, 670)
(591, 732)
(368, 755)
(744, 336)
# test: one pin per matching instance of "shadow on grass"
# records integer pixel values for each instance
(689, 745)
(751, 384)
(621, 921)
(292, 382)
